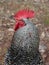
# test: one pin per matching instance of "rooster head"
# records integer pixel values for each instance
(20, 15)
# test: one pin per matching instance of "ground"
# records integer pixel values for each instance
(41, 20)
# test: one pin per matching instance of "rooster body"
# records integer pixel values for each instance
(24, 46)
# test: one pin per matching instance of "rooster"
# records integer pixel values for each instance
(25, 41)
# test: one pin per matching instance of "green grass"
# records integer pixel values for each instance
(46, 21)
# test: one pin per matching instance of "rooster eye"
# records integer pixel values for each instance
(27, 17)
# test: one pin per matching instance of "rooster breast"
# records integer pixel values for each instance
(27, 37)
(24, 47)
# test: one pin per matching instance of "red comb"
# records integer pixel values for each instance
(24, 14)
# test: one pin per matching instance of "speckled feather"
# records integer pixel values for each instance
(24, 46)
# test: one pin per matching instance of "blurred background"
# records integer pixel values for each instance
(41, 20)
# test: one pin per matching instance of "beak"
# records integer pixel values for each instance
(11, 17)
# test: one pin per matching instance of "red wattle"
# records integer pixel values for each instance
(19, 24)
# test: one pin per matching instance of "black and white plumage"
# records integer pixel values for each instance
(24, 46)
